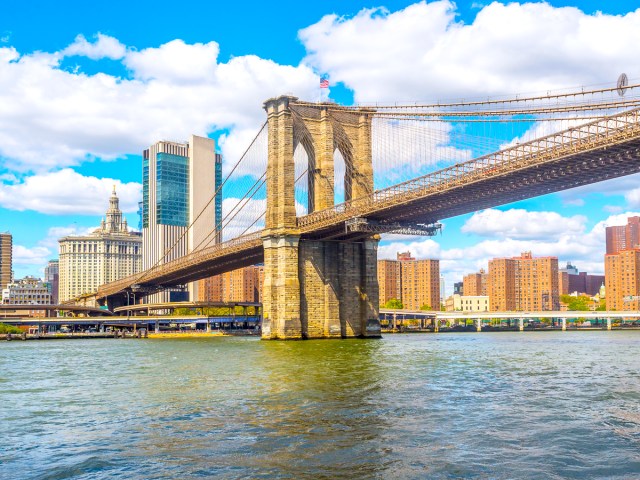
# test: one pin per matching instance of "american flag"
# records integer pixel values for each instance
(324, 83)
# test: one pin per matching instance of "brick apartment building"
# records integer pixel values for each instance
(415, 283)
(523, 283)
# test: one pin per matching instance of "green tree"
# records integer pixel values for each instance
(602, 307)
(4, 328)
(426, 307)
(576, 304)
(394, 303)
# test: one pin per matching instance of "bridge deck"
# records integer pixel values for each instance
(589, 153)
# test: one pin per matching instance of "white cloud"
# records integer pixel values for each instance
(420, 249)
(244, 214)
(523, 224)
(408, 149)
(633, 198)
(236, 146)
(68, 192)
(104, 46)
(8, 178)
(24, 256)
(621, 186)
(514, 48)
(176, 89)
(612, 209)
(241, 217)
(27, 259)
(175, 62)
(576, 202)
(56, 233)
(8, 54)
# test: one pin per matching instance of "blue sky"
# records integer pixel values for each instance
(85, 87)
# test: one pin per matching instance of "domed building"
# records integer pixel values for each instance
(108, 253)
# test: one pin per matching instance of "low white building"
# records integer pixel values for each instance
(467, 303)
(28, 291)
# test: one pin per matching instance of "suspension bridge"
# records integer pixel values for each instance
(321, 181)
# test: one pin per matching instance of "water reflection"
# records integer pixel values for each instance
(503, 405)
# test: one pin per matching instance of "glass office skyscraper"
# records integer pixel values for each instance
(178, 180)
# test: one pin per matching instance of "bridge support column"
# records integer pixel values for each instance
(339, 289)
(436, 325)
(478, 324)
(521, 324)
(317, 289)
(281, 288)
(608, 323)
(564, 324)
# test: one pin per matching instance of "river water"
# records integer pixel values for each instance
(461, 405)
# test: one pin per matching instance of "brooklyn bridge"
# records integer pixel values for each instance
(320, 182)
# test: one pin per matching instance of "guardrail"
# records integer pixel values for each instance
(610, 130)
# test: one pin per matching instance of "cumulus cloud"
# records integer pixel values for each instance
(26, 259)
(624, 186)
(513, 48)
(633, 198)
(56, 233)
(175, 62)
(24, 256)
(68, 192)
(242, 216)
(408, 149)
(523, 224)
(104, 46)
(52, 118)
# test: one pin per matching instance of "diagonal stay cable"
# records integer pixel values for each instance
(169, 249)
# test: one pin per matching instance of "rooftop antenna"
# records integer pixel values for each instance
(623, 81)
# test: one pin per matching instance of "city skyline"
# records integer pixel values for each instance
(93, 145)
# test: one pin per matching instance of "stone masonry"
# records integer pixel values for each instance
(313, 288)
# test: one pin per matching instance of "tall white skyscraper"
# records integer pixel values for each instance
(178, 181)
(6, 258)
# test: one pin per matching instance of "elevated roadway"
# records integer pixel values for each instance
(20, 310)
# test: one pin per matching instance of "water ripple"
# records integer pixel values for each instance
(535, 405)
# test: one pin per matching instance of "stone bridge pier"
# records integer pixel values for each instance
(317, 288)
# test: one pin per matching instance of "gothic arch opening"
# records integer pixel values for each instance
(341, 185)
(342, 165)
(304, 162)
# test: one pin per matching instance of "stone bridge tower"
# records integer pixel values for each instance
(317, 288)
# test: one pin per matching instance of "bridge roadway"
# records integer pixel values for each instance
(16, 309)
(593, 152)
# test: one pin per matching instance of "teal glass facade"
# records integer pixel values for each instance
(172, 189)
(145, 189)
